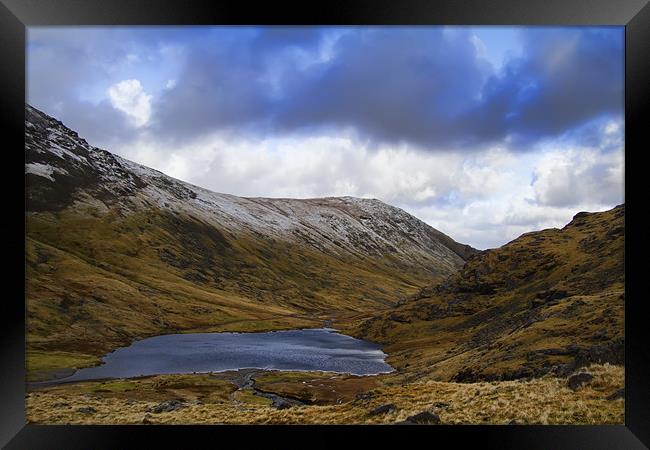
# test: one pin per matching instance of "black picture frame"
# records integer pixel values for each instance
(16, 15)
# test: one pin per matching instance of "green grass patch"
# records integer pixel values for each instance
(40, 364)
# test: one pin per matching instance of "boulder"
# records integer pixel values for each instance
(364, 396)
(612, 352)
(280, 403)
(424, 418)
(87, 410)
(167, 406)
(578, 379)
(383, 409)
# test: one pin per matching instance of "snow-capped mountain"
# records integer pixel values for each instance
(113, 219)
(64, 169)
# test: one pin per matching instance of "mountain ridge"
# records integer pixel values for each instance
(549, 301)
(117, 251)
(127, 177)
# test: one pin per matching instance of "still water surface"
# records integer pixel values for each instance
(321, 349)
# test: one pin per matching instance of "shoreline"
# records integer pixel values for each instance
(70, 372)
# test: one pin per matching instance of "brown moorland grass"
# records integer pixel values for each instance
(545, 300)
(102, 273)
(97, 281)
(210, 400)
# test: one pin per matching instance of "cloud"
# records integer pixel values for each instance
(569, 174)
(420, 117)
(69, 71)
(422, 86)
(214, 91)
(432, 87)
(129, 97)
(390, 85)
(327, 166)
(566, 78)
(484, 198)
(569, 178)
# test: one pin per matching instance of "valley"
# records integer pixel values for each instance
(117, 252)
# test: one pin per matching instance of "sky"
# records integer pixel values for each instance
(483, 132)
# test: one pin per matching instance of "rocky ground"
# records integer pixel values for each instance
(548, 302)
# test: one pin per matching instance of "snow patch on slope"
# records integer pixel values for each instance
(43, 170)
(341, 226)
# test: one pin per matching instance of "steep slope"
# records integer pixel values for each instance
(551, 300)
(117, 251)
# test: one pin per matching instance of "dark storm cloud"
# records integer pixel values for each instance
(212, 94)
(390, 85)
(225, 82)
(418, 85)
(100, 124)
(567, 78)
(387, 84)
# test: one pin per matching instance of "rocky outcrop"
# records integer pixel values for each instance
(424, 418)
(383, 409)
(167, 406)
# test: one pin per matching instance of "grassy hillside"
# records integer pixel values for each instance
(97, 282)
(549, 301)
(500, 342)
(116, 252)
